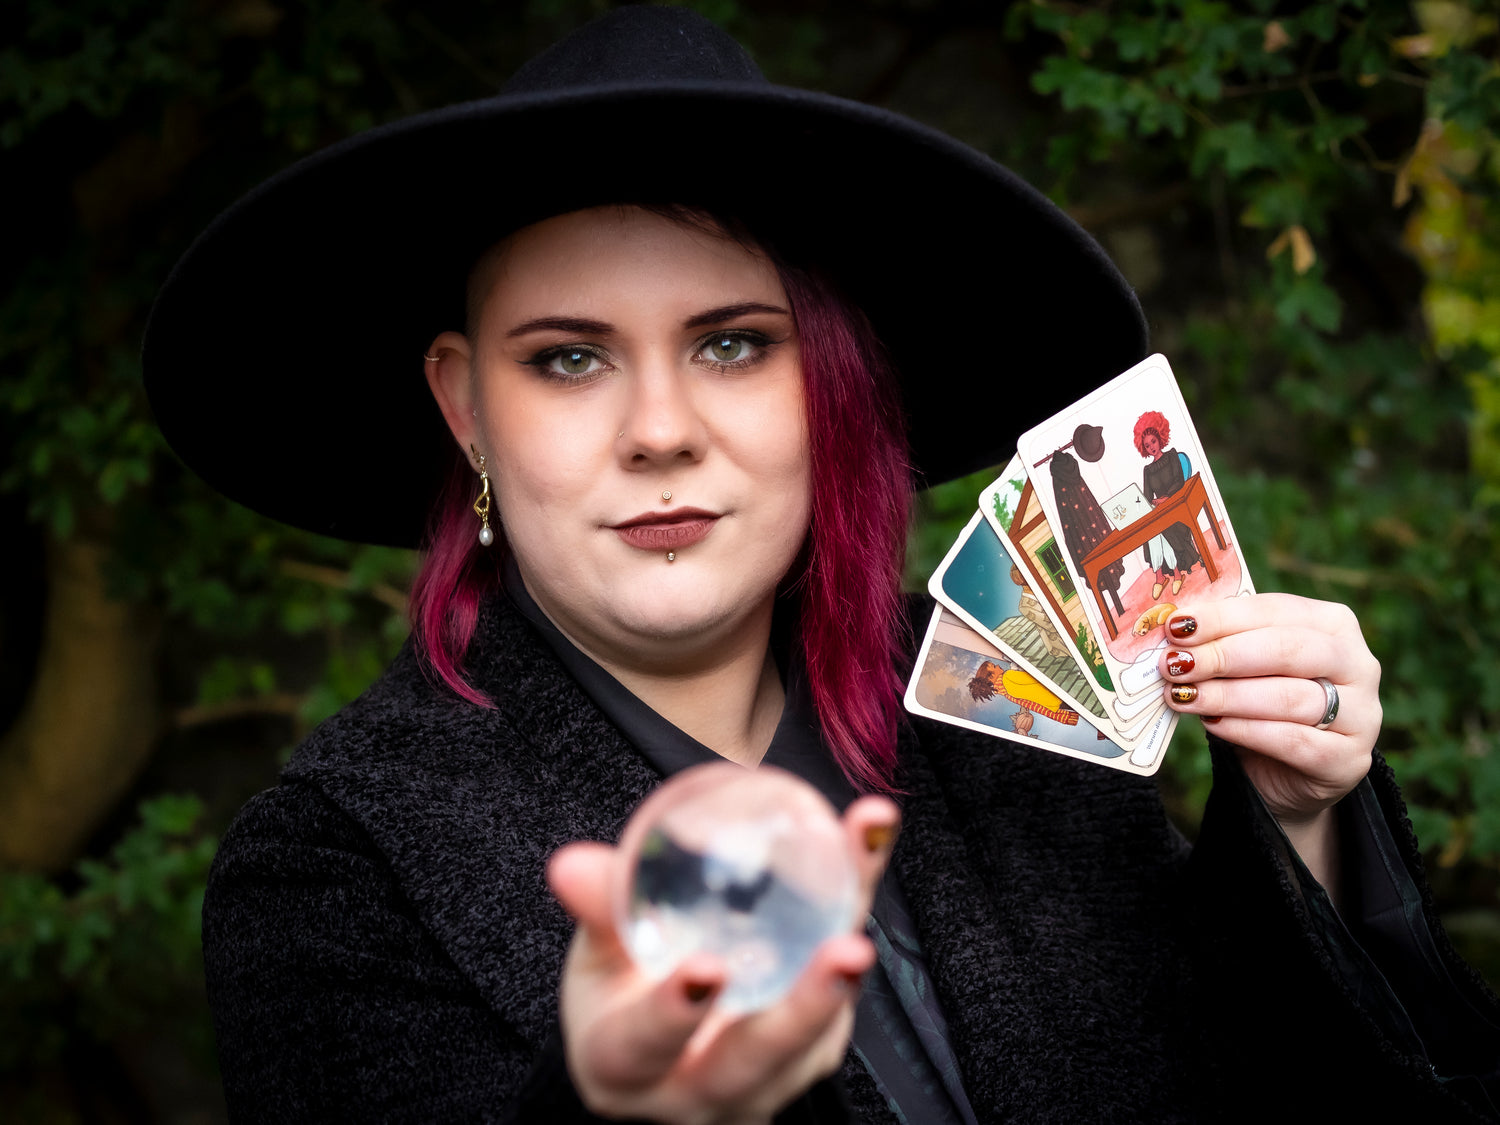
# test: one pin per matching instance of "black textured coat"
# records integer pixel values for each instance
(380, 944)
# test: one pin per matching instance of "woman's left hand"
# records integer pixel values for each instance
(1249, 667)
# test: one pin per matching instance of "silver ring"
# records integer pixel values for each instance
(1331, 702)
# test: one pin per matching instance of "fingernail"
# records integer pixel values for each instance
(848, 983)
(877, 836)
(1179, 663)
(697, 992)
(1182, 625)
(1184, 693)
(1209, 718)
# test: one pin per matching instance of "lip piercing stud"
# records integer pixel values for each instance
(666, 496)
(671, 556)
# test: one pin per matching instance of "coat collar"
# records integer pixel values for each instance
(467, 803)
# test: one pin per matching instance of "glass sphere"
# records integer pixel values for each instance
(749, 865)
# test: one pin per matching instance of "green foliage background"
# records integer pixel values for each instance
(1307, 197)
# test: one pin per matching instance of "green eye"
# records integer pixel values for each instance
(727, 349)
(574, 362)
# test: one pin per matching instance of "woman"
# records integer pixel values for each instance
(690, 437)
(1171, 554)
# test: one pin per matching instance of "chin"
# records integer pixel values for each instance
(687, 610)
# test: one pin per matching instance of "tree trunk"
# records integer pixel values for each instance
(90, 720)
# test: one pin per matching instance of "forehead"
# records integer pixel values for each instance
(621, 257)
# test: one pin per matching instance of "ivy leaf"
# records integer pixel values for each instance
(1309, 298)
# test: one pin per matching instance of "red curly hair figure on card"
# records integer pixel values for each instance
(1172, 553)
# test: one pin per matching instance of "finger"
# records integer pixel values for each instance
(582, 878)
(1275, 698)
(776, 1042)
(635, 1044)
(1286, 650)
(1207, 621)
(872, 825)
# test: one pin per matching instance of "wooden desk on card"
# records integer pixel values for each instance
(1182, 507)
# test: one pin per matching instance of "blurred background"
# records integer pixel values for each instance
(1306, 196)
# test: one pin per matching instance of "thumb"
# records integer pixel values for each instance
(582, 878)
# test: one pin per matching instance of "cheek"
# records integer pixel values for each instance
(542, 462)
(785, 466)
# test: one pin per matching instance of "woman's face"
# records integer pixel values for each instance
(636, 388)
(1152, 444)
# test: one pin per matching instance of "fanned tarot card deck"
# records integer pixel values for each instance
(1053, 602)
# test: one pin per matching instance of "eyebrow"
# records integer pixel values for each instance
(732, 312)
(577, 325)
(582, 326)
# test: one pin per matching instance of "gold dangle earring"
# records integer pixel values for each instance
(482, 504)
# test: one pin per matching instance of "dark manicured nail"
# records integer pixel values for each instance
(697, 992)
(849, 983)
(878, 836)
(1182, 626)
(1209, 718)
(1180, 663)
(1184, 693)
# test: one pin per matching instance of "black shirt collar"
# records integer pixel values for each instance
(797, 745)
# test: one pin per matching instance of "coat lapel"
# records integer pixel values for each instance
(467, 803)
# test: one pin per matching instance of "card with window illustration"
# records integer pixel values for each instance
(1011, 507)
(1122, 475)
(962, 679)
(983, 586)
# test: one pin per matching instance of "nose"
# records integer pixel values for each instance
(662, 423)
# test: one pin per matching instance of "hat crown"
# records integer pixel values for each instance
(635, 45)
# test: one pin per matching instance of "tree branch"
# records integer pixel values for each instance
(337, 579)
(282, 704)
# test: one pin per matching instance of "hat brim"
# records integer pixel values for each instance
(283, 356)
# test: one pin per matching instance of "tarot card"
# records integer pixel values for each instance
(962, 679)
(1011, 506)
(981, 584)
(1134, 430)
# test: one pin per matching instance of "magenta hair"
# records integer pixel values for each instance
(456, 573)
(853, 628)
(852, 624)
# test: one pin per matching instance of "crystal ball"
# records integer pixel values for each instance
(749, 865)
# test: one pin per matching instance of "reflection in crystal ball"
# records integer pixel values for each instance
(749, 865)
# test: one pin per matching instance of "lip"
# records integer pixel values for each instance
(666, 531)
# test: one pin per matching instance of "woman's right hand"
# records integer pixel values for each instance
(657, 1050)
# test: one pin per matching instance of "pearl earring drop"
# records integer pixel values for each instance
(482, 503)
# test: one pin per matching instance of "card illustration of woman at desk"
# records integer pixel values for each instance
(1171, 554)
(1123, 476)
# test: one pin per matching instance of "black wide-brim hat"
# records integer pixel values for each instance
(283, 358)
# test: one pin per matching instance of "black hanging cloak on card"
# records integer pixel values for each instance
(1083, 524)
